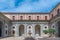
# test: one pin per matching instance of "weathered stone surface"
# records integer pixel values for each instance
(28, 38)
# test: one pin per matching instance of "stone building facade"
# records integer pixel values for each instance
(25, 24)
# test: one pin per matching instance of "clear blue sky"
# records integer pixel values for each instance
(27, 5)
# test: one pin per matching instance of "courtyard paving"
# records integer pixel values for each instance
(49, 39)
(21, 38)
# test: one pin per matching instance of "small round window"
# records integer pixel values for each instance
(6, 26)
(53, 26)
(45, 27)
(29, 27)
(13, 27)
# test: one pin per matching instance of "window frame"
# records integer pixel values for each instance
(45, 17)
(13, 17)
(21, 17)
(29, 17)
(37, 17)
(58, 11)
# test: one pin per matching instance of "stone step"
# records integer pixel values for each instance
(12, 38)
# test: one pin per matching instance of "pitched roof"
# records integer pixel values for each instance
(55, 7)
(24, 13)
(5, 18)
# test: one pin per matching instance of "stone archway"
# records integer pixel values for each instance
(21, 30)
(0, 28)
(37, 30)
(59, 29)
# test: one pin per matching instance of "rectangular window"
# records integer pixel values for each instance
(37, 17)
(13, 32)
(45, 17)
(6, 32)
(29, 17)
(21, 17)
(58, 11)
(52, 15)
(13, 17)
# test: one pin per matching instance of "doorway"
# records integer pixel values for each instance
(59, 29)
(0, 28)
(21, 30)
(37, 30)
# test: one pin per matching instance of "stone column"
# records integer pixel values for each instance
(41, 30)
(56, 28)
(25, 28)
(3, 29)
(16, 30)
(33, 30)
